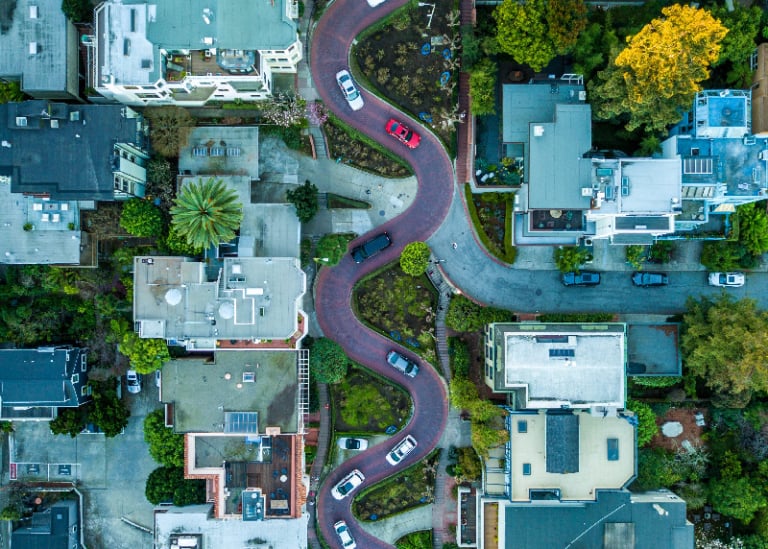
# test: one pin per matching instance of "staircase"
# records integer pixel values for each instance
(318, 137)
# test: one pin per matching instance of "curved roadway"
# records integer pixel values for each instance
(333, 36)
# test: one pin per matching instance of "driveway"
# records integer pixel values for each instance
(110, 473)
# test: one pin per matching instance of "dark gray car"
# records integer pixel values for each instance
(647, 280)
(371, 247)
(583, 278)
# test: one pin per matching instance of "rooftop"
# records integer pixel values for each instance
(38, 25)
(565, 364)
(66, 151)
(575, 454)
(39, 377)
(205, 392)
(196, 521)
(722, 113)
(654, 349)
(50, 241)
(223, 150)
(199, 303)
(617, 520)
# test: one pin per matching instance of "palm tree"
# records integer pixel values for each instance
(207, 213)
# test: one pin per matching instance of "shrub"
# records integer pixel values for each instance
(656, 469)
(647, 427)
(465, 315)
(304, 199)
(328, 361)
(569, 258)
(661, 251)
(10, 512)
(165, 446)
(657, 381)
(414, 258)
(141, 218)
(332, 247)
(635, 255)
(459, 357)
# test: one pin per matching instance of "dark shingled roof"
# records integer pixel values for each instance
(32, 377)
(50, 529)
(64, 150)
(562, 443)
(657, 520)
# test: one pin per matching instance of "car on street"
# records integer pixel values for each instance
(347, 541)
(403, 133)
(727, 280)
(371, 247)
(374, 3)
(348, 443)
(347, 484)
(350, 91)
(402, 363)
(402, 449)
(583, 278)
(133, 381)
(648, 279)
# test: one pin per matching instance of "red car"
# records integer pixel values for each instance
(403, 133)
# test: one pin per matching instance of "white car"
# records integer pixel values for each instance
(374, 3)
(133, 381)
(403, 448)
(347, 484)
(350, 91)
(347, 541)
(732, 280)
(347, 443)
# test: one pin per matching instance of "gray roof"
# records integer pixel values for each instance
(55, 60)
(562, 443)
(66, 151)
(40, 377)
(656, 347)
(657, 520)
(50, 529)
(555, 169)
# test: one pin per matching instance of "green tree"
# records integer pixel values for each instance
(414, 258)
(145, 355)
(723, 343)
(415, 540)
(460, 359)
(108, 411)
(141, 218)
(78, 11)
(721, 255)
(655, 78)
(743, 26)
(635, 255)
(753, 227)
(486, 436)
(189, 492)
(739, 498)
(522, 32)
(482, 87)
(656, 469)
(565, 19)
(647, 427)
(569, 258)
(165, 446)
(10, 512)
(463, 393)
(162, 484)
(70, 421)
(177, 244)
(207, 213)
(465, 315)
(11, 92)
(328, 360)
(304, 199)
(593, 49)
(332, 247)
(170, 127)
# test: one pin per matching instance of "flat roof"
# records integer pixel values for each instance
(655, 347)
(594, 472)
(196, 520)
(223, 150)
(722, 113)
(204, 391)
(50, 242)
(561, 364)
(654, 185)
(555, 177)
(234, 298)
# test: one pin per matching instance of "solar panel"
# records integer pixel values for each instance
(241, 422)
(557, 353)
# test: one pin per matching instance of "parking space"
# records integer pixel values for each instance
(110, 472)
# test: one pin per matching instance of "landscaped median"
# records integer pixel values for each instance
(492, 215)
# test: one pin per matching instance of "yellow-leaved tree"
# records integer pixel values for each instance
(661, 69)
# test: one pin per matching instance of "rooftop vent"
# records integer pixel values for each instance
(32, 48)
(54, 123)
(33, 12)
(21, 121)
(538, 131)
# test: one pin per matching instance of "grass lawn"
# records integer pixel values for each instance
(412, 488)
(367, 403)
(399, 306)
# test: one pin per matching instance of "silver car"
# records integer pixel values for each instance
(350, 91)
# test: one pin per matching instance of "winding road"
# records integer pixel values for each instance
(332, 39)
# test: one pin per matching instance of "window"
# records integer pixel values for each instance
(522, 426)
(83, 364)
(527, 469)
(85, 390)
(75, 378)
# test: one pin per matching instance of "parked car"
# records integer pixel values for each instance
(647, 279)
(350, 91)
(371, 247)
(729, 280)
(583, 278)
(403, 133)
(402, 449)
(347, 484)
(347, 541)
(374, 3)
(348, 443)
(133, 381)
(402, 363)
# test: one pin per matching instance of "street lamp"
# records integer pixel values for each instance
(431, 12)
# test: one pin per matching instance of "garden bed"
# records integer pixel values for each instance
(418, 73)
(338, 201)
(400, 306)
(491, 215)
(412, 488)
(357, 150)
(367, 404)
